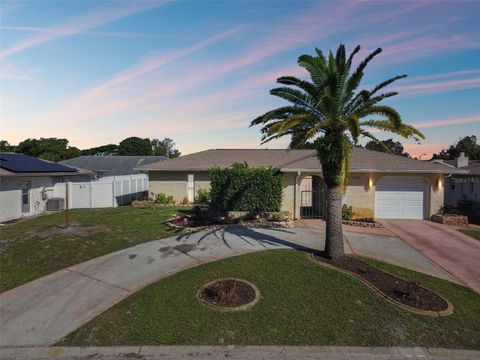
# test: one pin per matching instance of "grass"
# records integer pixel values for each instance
(472, 233)
(302, 303)
(38, 246)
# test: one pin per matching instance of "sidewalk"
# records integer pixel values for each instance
(239, 353)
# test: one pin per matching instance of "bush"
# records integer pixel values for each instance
(240, 188)
(163, 199)
(347, 212)
(448, 209)
(203, 197)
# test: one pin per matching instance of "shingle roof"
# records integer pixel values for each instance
(112, 165)
(293, 160)
(473, 167)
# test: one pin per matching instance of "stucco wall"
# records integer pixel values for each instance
(11, 196)
(359, 196)
(288, 200)
(175, 183)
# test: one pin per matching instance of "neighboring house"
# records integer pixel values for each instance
(463, 187)
(26, 184)
(381, 185)
(114, 180)
(107, 166)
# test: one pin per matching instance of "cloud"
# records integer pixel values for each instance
(13, 72)
(80, 23)
(447, 122)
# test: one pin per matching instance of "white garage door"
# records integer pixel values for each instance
(400, 198)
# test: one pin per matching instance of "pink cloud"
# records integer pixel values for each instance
(78, 24)
(447, 122)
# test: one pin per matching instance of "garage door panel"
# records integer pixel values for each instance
(400, 198)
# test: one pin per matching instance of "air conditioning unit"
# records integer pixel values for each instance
(55, 204)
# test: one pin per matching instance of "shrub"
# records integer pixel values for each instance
(203, 197)
(163, 199)
(240, 188)
(347, 212)
(448, 209)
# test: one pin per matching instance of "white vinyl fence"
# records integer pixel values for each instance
(110, 191)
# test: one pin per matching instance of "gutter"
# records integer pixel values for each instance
(447, 171)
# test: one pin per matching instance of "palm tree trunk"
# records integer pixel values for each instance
(334, 235)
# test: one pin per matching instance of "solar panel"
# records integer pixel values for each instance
(20, 163)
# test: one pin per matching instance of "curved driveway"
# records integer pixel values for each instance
(45, 310)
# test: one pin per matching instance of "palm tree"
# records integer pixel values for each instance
(333, 111)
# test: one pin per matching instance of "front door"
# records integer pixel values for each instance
(25, 188)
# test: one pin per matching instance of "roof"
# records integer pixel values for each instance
(13, 164)
(473, 167)
(363, 160)
(112, 165)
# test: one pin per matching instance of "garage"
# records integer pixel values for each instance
(400, 198)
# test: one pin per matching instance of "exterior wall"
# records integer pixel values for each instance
(290, 193)
(359, 196)
(11, 196)
(175, 183)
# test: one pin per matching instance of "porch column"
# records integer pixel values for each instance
(298, 180)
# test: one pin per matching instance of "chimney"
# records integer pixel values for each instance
(461, 161)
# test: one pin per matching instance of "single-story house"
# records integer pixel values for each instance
(102, 167)
(463, 187)
(380, 185)
(25, 183)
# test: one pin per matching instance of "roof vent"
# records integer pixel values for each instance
(461, 161)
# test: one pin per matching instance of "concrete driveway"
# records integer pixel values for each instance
(455, 252)
(45, 310)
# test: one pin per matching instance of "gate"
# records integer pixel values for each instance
(312, 204)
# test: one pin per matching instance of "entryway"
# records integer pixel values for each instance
(312, 198)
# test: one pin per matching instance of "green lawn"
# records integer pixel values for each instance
(302, 303)
(38, 247)
(473, 233)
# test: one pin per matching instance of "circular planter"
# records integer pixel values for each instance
(446, 312)
(249, 292)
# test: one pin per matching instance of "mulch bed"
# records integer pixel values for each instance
(406, 292)
(228, 293)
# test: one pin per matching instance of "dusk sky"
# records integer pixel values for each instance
(96, 72)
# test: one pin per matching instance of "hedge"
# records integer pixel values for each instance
(240, 188)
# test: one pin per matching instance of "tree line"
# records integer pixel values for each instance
(55, 149)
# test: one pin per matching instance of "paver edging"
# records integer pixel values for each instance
(447, 312)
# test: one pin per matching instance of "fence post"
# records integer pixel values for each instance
(91, 194)
(113, 191)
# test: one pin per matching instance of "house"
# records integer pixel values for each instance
(26, 183)
(381, 185)
(108, 166)
(463, 188)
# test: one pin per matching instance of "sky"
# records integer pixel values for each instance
(96, 72)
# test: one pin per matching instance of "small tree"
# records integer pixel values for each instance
(135, 146)
(387, 146)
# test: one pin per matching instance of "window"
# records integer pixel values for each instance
(471, 187)
(452, 185)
